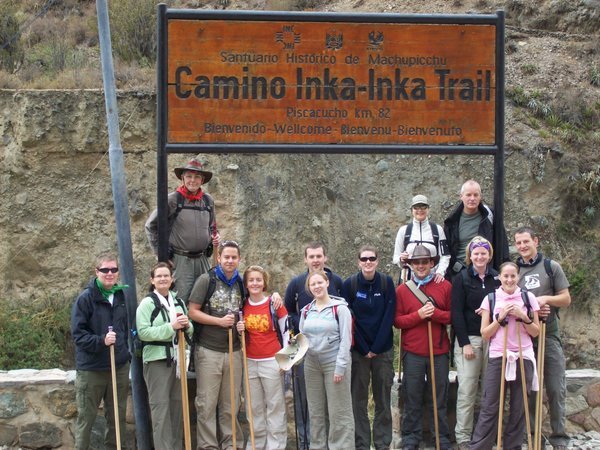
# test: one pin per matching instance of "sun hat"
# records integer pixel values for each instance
(196, 166)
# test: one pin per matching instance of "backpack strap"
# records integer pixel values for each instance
(550, 273)
(159, 308)
(418, 293)
(407, 234)
(275, 321)
(492, 302)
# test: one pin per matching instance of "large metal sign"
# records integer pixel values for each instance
(283, 82)
(339, 82)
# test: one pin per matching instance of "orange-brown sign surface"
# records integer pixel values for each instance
(281, 82)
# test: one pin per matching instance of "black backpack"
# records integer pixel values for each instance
(207, 205)
(159, 308)
(434, 232)
(524, 296)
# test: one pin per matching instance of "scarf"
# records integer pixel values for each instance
(188, 195)
(108, 292)
(221, 275)
(514, 297)
(424, 281)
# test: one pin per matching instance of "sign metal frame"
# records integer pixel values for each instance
(165, 148)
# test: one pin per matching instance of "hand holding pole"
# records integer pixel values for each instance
(113, 373)
(187, 435)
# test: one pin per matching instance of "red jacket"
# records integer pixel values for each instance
(414, 329)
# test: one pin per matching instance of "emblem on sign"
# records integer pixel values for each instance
(334, 41)
(287, 37)
(375, 40)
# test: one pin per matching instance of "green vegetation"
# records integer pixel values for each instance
(36, 335)
(133, 30)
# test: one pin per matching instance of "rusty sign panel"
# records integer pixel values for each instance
(318, 82)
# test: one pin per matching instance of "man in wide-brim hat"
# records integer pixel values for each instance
(192, 227)
(420, 301)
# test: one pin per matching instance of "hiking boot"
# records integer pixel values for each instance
(559, 447)
(462, 446)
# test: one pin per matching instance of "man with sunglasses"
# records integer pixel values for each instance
(421, 231)
(192, 227)
(99, 321)
(471, 218)
(372, 300)
(419, 301)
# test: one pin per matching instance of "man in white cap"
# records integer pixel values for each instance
(192, 227)
(421, 231)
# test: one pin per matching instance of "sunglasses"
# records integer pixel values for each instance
(368, 258)
(229, 244)
(420, 207)
(108, 269)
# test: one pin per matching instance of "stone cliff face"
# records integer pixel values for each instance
(57, 209)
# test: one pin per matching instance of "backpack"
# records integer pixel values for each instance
(524, 296)
(207, 205)
(275, 321)
(205, 307)
(434, 232)
(354, 284)
(159, 308)
(335, 314)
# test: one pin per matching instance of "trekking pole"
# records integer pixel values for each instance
(231, 386)
(404, 277)
(247, 383)
(113, 373)
(502, 382)
(524, 386)
(433, 390)
(187, 435)
(537, 438)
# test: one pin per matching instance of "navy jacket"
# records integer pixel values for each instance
(91, 316)
(297, 296)
(373, 311)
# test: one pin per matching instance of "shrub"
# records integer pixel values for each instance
(11, 52)
(133, 30)
(36, 335)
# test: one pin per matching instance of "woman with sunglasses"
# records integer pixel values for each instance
(470, 350)
(159, 317)
(372, 298)
(327, 324)
(265, 327)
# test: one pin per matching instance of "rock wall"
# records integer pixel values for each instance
(57, 209)
(37, 410)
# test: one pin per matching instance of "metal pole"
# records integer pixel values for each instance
(119, 190)
(499, 157)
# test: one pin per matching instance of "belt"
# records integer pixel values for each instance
(189, 254)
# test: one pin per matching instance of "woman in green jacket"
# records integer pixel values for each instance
(158, 318)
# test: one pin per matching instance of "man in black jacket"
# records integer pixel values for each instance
(99, 320)
(471, 218)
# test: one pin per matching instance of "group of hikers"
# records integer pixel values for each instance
(237, 327)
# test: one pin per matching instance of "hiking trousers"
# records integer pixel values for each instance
(91, 388)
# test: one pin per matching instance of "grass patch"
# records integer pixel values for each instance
(36, 335)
